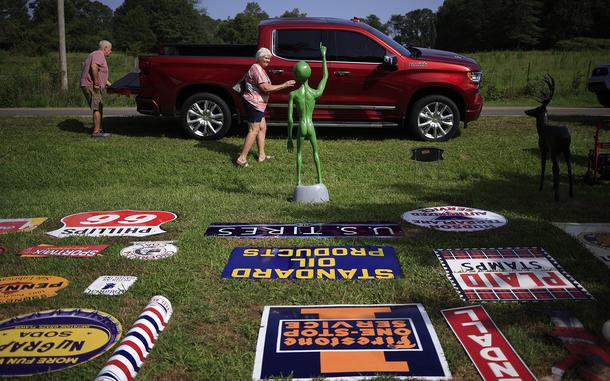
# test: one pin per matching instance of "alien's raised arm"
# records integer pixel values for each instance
(322, 84)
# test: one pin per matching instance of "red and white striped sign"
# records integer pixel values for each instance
(128, 357)
(486, 346)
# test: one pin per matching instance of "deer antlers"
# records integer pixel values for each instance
(545, 97)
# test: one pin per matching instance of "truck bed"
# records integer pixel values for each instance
(208, 50)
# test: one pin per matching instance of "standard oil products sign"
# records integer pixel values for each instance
(326, 262)
(27, 287)
(116, 223)
(455, 219)
(49, 341)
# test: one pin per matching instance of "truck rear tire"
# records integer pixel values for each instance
(434, 118)
(205, 116)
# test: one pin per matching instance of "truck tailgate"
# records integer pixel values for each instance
(128, 85)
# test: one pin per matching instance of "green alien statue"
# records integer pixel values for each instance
(305, 99)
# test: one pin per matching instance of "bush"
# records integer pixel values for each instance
(583, 43)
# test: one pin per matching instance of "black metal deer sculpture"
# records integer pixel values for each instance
(553, 139)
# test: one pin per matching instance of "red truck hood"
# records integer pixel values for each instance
(448, 57)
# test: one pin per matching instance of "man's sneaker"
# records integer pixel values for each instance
(100, 134)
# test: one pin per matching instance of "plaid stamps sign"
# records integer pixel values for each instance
(509, 274)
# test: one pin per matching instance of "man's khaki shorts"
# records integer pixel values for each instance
(93, 97)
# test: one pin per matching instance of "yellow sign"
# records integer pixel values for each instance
(53, 341)
(49, 341)
(27, 287)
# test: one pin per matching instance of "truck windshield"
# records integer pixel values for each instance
(388, 40)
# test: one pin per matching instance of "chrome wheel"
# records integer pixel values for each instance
(435, 120)
(205, 118)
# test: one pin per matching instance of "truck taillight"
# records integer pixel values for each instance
(145, 67)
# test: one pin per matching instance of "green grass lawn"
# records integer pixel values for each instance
(50, 167)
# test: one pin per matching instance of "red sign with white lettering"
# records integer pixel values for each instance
(133, 223)
(491, 353)
(509, 274)
(82, 251)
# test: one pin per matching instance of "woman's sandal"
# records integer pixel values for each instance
(267, 157)
(242, 164)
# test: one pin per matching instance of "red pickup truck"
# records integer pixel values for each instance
(373, 80)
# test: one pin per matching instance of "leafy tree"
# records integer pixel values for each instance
(243, 29)
(14, 24)
(601, 19)
(86, 22)
(417, 27)
(294, 13)
(376, 23)
(142, 25)
(564, 19)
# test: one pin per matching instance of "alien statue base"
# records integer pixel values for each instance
(311, 194)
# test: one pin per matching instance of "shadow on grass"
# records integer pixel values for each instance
(514, 192)
(579, 160)
(130, 126)
(583, 120)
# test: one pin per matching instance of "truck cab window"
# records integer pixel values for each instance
(354, 47)
(298, 44)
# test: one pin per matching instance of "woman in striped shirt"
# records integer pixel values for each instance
(256, 95)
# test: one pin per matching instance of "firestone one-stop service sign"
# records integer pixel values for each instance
(116, 223)
(455, 219)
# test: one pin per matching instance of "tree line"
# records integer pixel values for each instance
(30, 26)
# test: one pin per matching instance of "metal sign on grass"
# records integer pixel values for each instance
(595, 237)
(340, 342)
(20, 224)
(81, 251)
(314, 230)
(116, 223)
(455, 219)
(427, 154)
(150, 250)
(49, 341)
(509, 274)
(3, 249)
(28, 287)
(491, 353)
(110, 285)
(324, 262)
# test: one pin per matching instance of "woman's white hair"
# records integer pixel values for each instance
(104, 43)
(263, 52)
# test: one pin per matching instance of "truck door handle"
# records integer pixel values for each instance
(276, 71)
(342, 73)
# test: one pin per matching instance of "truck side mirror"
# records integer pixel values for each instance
(390, 60)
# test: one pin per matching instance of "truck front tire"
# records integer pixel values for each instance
(205, 116)
(434, 118)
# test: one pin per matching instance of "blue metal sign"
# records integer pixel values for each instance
(325, 262)
(340, 342)
(366, 229)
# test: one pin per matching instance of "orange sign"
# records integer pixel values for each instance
(27, 287)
